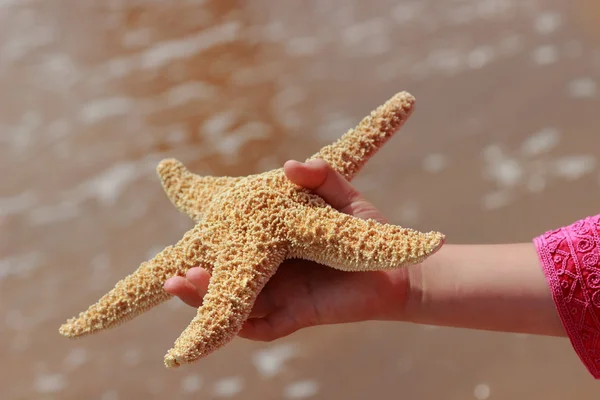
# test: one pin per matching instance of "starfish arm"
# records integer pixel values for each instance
(141, 290)
(351, 152)
(191, 193)
(234, 285)
(348, 243)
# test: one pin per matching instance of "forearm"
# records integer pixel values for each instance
(489, 287)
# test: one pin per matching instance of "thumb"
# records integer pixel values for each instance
(327, 183)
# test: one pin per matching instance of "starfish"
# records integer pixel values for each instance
(245, 227)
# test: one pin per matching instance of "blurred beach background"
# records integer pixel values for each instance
(503, 146)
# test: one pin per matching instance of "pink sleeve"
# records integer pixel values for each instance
(569, 258)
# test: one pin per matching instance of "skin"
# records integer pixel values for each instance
(466, 286)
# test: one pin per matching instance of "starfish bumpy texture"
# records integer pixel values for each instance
(246, 227)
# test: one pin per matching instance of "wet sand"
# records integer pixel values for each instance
(503, 146)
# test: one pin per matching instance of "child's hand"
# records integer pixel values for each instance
(302, 293)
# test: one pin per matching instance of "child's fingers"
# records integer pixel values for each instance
(192, 289)
(184, 289)
(309, 175)
(262, 306)
(318, 176)
(199, 277)
(326, 182)
(274, 326)
(257, 329)
(301, 174)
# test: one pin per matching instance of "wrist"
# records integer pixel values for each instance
(424, 292)
(409, 290)
(402, 294)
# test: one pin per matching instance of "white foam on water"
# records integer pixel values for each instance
(480, 56)
(12, 3)
(301, 389)
(57, 129)
(302, 46)
(540, 142)
(290, 96)
(118, 67)
(447, 60)
(165, 52)
(50, 214)
(482, 391)
(574, 167)
(583, 88)
(230, 146)
(17, 204)
(492, 8)
(176, 135)
(19, 45)
(77, 357)
(434, 163)
(189, 91)
(368, 36)
(19, 265)
(496, 200)
(270, 361)
(191, 383)
(254, 130)
(228, 387)
(461, 14)
(334, 125)
(228, 143)
(508, 172)
(132, 357)
(109, 184)
(273, 31)
(250, 75)
(218, 124)
(137, 37)
(545, 55)
(404, 12)
(98, 110)
(547, 22)
(110, 395)
(25, 133)
(50, 383)
(58, 71)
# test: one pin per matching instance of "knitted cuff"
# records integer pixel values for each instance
(570, 259)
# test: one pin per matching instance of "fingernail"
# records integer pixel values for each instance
(313, 161)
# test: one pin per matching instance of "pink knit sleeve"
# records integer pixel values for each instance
(569, 258)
